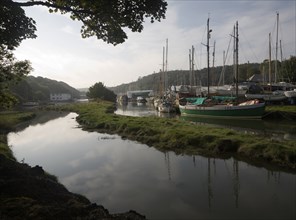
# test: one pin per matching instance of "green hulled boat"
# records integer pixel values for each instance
(247, 110)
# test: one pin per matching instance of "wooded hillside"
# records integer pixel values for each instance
(39, 89)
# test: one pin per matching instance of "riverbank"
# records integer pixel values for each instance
(186, 138)
(31, 193)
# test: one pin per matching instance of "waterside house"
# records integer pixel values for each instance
(60, 97)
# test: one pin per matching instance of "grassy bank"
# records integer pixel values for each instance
(282, 108)
(8, 121)
(183, 137)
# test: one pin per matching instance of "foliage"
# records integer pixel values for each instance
(288, 69)
(99, 91)
(11, 71)
(105, 19)
(15, 25)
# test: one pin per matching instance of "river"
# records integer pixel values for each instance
(123, 175)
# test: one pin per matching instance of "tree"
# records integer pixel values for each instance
(11, 71)
(99, 91)
(104, 19)
(15, 26)
(288, 69)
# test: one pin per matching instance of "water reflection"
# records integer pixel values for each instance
(41, 118)
(167, 163)
(136, 109)
(124, 175)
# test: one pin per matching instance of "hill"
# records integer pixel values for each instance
(39, 89)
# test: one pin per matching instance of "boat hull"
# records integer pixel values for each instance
(290, 94)
(267, 97)
(225, 111)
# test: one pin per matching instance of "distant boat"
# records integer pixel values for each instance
(275, 96)
(166, 107)
(220, 106)
(140, 99)
(290, 94)
(231, 90)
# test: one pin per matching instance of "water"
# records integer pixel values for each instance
(123, 175)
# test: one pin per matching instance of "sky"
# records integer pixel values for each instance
(60, 53)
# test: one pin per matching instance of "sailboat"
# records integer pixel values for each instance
(273, 92)
(216, 106)
(164, 104)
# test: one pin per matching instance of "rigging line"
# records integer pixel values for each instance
(272, 49)
(224, 61)
(248, 43)
(281, 38)
(195, 62)
(202, 44)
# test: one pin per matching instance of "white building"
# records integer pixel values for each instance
(57, 97)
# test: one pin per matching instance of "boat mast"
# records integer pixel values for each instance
(224, 61)
(235, 57)
(269, 66)
(208, 53)
(276, 47)
(214, 57)
(192, 68)
(166, 65)
(234, 60)
(236, 49)
(162, 74)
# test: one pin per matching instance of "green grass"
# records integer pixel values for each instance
(183, 137)
(283, 108)
(8, 121)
